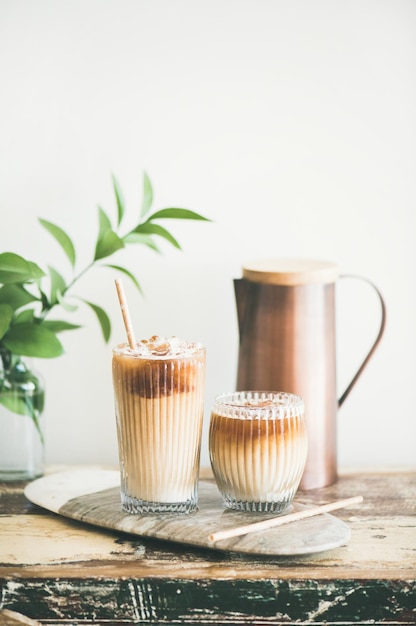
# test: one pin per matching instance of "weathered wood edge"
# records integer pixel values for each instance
(123, 570)
(150, 601)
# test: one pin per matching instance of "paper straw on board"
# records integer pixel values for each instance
(284, 519)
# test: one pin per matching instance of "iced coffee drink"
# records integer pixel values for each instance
(159, 403)
(258, 447)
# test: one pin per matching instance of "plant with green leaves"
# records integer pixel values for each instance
(28, 294)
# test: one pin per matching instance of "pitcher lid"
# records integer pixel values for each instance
(290, 271)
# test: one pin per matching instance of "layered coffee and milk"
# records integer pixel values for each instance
(159, 401)
(258, 447)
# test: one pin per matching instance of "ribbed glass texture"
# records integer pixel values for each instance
(159, 411)
(258, 447)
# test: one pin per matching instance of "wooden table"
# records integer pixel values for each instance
(59, 571)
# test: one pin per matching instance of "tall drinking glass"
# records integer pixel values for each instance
(159, 401)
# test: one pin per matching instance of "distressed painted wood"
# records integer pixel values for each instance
(89, 496)
(62, 572)
(11, 618)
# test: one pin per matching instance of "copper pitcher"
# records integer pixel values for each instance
(286, 318)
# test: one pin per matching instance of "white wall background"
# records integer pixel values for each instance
(290, 123)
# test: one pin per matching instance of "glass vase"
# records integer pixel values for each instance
(21, 434)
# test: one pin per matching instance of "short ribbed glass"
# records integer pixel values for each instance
(159, 403)
(258, 447)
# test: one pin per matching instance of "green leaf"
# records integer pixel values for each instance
(119, 200)
(67, 306)
(16, 269)
(44, 300)
(33, 340)
(31, 402)
(58, 326)
(28, 315)
(155, 229)
(16, 403)
(104, 222)
(13, 403)
(147, 195)
(108, 241)
(58, 285)
(138, 238)
(25, 394)
(177, 214)
(127, 273)
(103, 319)
(28, 404)
(62, 238)
(6, 316)
(107, 245)
(16, 296)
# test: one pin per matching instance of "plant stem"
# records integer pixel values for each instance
(76, 278)
(6, 358)
(49, 308)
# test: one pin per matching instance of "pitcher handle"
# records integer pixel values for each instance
(376, 342)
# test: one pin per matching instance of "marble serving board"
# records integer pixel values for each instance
(93, 496)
